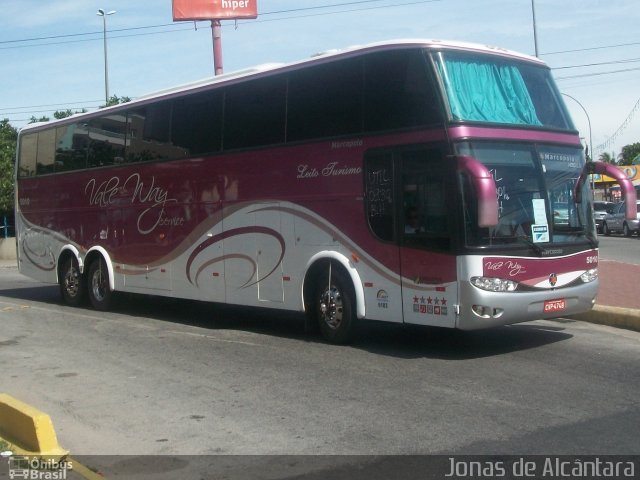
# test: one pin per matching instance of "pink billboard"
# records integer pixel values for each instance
(214, 9)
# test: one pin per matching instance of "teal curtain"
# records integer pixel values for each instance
(487, 92)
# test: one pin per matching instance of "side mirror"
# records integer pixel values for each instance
(485, 187)
(627, 188)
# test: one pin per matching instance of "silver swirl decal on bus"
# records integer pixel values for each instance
(41, 258)
(229, 234)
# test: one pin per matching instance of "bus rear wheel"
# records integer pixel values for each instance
(72, 284)
(334, 306)
(100, 294)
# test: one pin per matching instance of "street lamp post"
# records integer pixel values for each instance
(588, 122)
(590, 137)
(535, 28)
(103, 14)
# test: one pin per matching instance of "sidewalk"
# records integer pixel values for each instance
(618, 301)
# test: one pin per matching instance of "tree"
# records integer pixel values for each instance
(115, 100)
(44, 118)
(607, 157)
(8, 139)
(58, 114)
(629, 152)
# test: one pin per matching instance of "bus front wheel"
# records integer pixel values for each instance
(72, 286)
(334, 306)
(100, 294)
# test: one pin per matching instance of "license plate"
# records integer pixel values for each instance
(554, 305)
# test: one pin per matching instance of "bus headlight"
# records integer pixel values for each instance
(589, 275)
(493, 284)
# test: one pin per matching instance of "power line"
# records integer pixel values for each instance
(611, 140)
(613, 62)
(585, 75)
(592, 48)
(175, 25)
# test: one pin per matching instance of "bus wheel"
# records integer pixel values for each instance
(100, 294)
(334, 306)
(72, 286)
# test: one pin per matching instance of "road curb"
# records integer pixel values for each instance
(28, 429)
(628, 318)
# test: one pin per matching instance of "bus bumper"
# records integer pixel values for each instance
(482, 309)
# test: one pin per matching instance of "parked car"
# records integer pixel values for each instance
(615, 220)
(600, 212)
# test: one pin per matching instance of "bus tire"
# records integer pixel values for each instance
(100, 293)
(72, 283)
(334, 306)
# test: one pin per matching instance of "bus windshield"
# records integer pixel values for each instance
(536, 195)
(491, 89)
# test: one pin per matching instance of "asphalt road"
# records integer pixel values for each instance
(170, 377)
(164, 377)
(620, 249)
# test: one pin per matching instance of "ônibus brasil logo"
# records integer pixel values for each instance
(38, 468)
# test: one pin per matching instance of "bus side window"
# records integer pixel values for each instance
(399, 92)
(379, 195)
(71, 147)
(325, 101)
(28, 152)
(106, 140)
(46, 151)
(255, 113)
(197, 123)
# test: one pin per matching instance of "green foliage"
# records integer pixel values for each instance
(607, 157)
(59, 114)
(8, 138)
(115, 100)
(44, 118)
(629, 152)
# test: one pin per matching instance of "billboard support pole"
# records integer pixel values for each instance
(216, 32)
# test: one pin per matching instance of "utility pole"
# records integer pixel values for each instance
(535, 28)
(102, 13)
(216, 33)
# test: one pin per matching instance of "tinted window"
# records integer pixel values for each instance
(28, 152)
(106, 137)
(325, 100)
(197, 123)
(71, 146)
(379, 192)
(398, 91)
(149, 135)
(46, 151)
(426, 198)
(255, 113)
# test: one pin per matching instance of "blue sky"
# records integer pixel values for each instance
(51, 51)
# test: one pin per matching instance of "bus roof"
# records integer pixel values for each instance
(321, 57)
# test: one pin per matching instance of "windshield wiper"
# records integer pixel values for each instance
(534, 246)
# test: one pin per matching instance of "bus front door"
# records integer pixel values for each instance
(429, 287)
